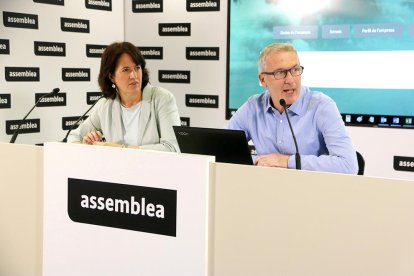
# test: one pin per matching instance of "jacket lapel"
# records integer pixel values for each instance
(145, 112)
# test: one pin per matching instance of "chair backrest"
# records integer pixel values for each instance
(361, 163)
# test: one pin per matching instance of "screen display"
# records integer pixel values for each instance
(360, 53)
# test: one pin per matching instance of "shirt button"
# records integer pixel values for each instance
(280, 121)
(280, 142)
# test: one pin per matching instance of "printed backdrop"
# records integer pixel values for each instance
(47, 44)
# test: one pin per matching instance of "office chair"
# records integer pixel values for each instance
(361, 163)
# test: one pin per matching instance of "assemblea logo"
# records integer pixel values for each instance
(137, 208)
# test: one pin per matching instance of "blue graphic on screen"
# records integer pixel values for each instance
(333, 25)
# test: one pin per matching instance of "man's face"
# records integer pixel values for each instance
(287, 88)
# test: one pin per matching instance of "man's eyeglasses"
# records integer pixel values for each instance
(281, 74)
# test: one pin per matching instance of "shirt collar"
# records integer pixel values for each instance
(267, 106)
(297, 107)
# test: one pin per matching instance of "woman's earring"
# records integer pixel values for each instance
(113, 85)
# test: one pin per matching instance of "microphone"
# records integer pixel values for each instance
(16, 132)
(80, 118)
(297, 156)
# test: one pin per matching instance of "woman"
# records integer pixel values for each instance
(133, 113)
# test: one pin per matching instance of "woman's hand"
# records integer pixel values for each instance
(92, 137)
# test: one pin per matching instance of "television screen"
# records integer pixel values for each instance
(360, 53)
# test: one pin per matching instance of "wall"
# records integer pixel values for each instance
(67, 56)
(379, 146)
(201, 97)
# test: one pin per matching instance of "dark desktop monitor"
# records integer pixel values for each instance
(228, 146)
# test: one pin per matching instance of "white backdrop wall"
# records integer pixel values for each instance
(201, 97)
(207, 78)
(105, 26)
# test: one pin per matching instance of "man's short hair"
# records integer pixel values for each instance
(271, 48)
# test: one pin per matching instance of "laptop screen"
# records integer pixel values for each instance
(228, 146)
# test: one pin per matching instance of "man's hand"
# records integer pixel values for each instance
(273, 160)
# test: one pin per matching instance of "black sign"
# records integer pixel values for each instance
(141, 6)
(76, 74)
(137, 208)
(201, 101)
(42, 48)
(202, 53)
(404, 163)
(52, 100)
(252, 149)
(185, 121)
(5, 101)
(174, 29)
(74, 25)
(68, 122)
(92, 97)
(51, 2)
(95, 50)
(174, 76)
(28, 126)
(20, 20)
(105, 5)
(4, 47)
(203, 5)
(151, 52)
(22, 73)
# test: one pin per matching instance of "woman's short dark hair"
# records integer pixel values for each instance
(109, 60)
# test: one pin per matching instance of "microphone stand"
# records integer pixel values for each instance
(65, 140)
(16, 132)
(297, 155)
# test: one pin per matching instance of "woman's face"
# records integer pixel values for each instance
(127, 76)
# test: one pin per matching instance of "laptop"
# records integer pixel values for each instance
(228, 146)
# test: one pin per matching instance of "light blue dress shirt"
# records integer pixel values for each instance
(323, 142)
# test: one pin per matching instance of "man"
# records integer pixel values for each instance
(323, 142)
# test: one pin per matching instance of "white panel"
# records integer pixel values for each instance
(21, 199)
(84, 249)
(295, 223)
